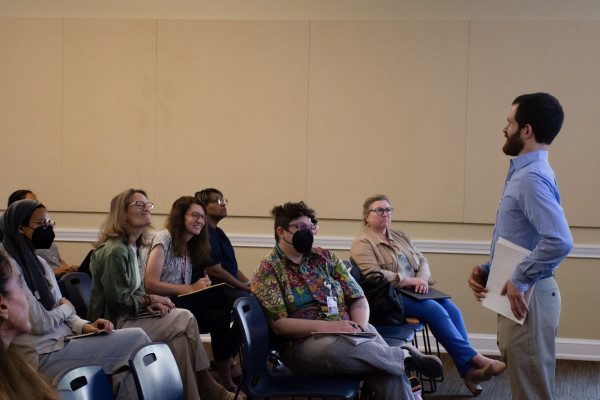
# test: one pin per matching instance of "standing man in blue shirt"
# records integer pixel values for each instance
(531, 216)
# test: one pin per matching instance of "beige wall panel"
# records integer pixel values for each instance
(232, 111)
(306, 9)
(509, 58)
(109, 110)
(30, 108)
(387, 115)
(452, 270)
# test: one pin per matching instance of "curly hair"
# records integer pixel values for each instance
(288, 212)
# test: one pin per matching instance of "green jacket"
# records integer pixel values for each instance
(113, 280)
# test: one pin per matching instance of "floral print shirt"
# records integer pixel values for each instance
(287, 290)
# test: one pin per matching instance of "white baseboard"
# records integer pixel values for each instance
(566, 349)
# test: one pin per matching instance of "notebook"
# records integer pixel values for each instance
(433, 294)
(192, 299)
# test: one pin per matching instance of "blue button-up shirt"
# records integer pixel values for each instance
(530, 215)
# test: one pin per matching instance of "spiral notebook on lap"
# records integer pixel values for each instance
(432, 294)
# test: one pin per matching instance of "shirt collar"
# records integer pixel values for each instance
(526, 159)
(375, 237)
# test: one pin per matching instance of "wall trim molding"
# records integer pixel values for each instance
(566, 348)
(343, 243)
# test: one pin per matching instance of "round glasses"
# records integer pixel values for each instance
(143, 204)
(381, 210)
(301, 226)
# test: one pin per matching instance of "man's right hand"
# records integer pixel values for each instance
(477, 281)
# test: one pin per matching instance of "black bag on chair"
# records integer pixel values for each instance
(385, 304)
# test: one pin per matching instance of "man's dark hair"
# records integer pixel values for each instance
(204, 196)
(290, 211)
(543, 112)
(18, 195)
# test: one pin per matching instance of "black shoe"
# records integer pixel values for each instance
(430, 366)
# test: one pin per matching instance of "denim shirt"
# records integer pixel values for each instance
(530, 215)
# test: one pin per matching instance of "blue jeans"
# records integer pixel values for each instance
(447, 325)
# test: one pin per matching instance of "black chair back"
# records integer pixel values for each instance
(78, 287)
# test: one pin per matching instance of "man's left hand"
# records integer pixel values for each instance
(517, 300)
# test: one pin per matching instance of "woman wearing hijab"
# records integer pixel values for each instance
(118, 294)
(27, 227)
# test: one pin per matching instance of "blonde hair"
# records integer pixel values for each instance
(115, 225)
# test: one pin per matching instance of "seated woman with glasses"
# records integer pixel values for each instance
(17, 379)
(379, 248)
(46, 347)
(118, 294)
(169, 261)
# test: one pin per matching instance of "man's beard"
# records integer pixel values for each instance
(514, 145)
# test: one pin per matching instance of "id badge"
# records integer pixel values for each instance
(332, 307)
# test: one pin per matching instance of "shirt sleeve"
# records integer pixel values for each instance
(47, 321)
(268, 292)
(115, 281)
(350, 288)
(541, 206)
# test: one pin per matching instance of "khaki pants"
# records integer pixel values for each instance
(529, 350)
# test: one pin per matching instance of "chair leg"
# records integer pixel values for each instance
(427, 345)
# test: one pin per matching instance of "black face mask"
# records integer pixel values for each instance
(303, 241)
(42, 238)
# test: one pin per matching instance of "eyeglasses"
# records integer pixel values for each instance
(196, 216)
(380, 210)
(45, 223)
(143, 204)
(219, 201)
(301, 226)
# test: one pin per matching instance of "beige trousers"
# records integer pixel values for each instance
(529, 350)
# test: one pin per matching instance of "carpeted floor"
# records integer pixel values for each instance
(575, 380)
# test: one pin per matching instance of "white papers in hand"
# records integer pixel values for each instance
(506, 257)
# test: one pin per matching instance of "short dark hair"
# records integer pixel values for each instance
(18, 195)
(290, 211)
(204, 196)
(543, 112)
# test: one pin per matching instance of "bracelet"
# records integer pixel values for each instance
(148, 300)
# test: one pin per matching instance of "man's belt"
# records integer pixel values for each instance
(547, 275)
